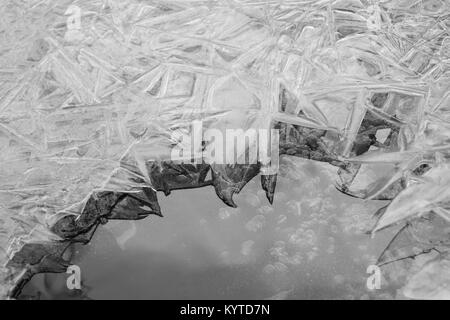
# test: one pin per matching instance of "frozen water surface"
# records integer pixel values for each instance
(92, 93)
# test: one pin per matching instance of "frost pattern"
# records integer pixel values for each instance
(90, 92)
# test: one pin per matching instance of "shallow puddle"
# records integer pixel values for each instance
(309, 245)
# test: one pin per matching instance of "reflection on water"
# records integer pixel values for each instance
(309, 245)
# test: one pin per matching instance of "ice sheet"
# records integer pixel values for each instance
(92, 91)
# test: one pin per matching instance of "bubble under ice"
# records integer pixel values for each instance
(91, 91)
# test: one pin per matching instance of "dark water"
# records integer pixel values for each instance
(309, 245)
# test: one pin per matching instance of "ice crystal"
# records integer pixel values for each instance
(91, 93)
